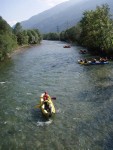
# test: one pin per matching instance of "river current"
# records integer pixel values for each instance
(84, 100)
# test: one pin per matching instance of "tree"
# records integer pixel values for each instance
(34, 36)
(11, 38)
(97, 29)
(22, 37)
(7, 39)
(73, 33)
(51, 36)
(39, 34)
(17, 28)
(62, 36)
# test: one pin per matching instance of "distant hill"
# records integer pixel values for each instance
(63, 16)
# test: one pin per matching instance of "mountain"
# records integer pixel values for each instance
(63, 16)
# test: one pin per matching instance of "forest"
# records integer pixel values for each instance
(12, 38)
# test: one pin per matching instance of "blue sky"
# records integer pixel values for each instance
(14, 11)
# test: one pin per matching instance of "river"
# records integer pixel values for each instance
(84, 100)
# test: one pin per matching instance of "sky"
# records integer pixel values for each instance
(14, 11)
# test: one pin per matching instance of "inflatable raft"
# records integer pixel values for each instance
(47, 107)
(92, 63)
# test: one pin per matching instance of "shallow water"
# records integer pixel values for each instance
(84, 104)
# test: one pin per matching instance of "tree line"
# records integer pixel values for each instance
(94, 31)
(11, 38)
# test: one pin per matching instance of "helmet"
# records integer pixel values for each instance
(46, 92)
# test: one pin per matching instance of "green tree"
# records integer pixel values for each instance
(62, 36)
(97, 28)
(39, 34)
(34, 36)
(30, 36)
(73, 33)
(22, 37)
(51, 36)
(7, 39)
(17, 28)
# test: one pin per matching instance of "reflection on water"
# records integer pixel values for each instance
(84, 104)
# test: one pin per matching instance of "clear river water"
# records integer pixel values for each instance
(84, 100)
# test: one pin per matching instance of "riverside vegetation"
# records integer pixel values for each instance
(12, 38)
(94, 31)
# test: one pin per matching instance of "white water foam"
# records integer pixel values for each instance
(5, 122)
(2, 82)
(40, 123)
(58, 111)
(29, 93)
(18, 108)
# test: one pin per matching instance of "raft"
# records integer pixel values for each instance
(83, 51)
(67, 46)
(46, 111)
(82, 62)
(92, 63)
(97, 63)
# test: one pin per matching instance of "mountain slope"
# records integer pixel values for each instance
(62, 16)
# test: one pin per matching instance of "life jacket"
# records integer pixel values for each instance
(45, 97)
